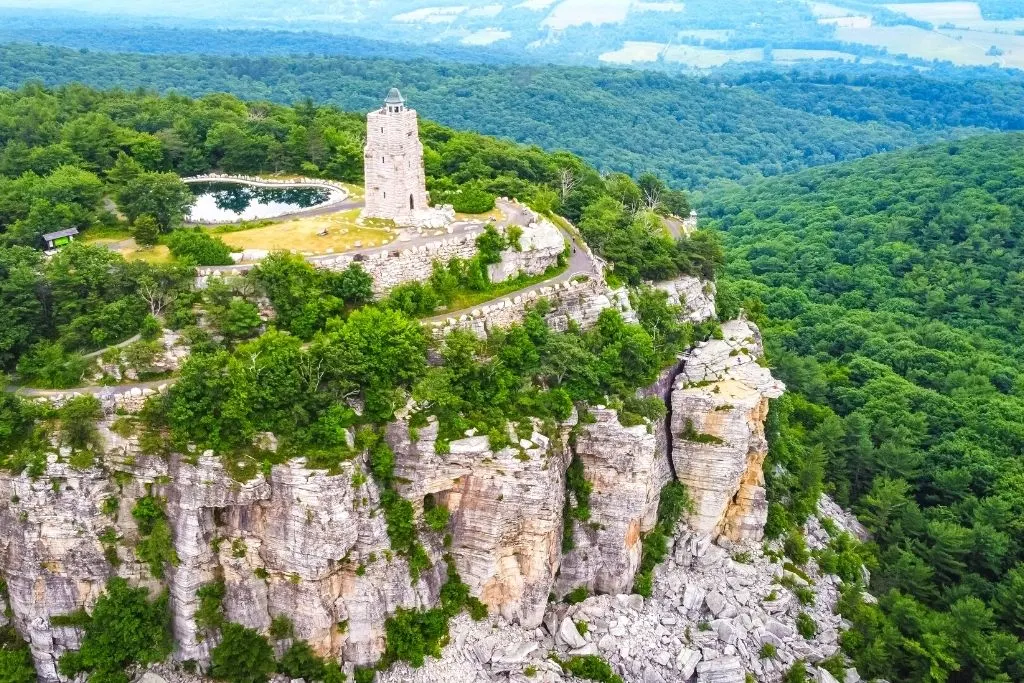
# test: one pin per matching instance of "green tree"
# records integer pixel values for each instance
(146, 231)
(242, 656)
(160, 195)
(125, 628)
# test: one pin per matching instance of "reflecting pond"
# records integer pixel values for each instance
(230, 202)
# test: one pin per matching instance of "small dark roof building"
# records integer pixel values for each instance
(58, 239)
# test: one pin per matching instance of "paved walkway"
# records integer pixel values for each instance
(580, 263)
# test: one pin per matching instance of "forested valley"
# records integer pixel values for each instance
(891, 295)
(890, 290)
(690, 131)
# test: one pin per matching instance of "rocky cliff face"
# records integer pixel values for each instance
(719, 404)
(627, 468)
(288, 544)
(506, 507)
(312, 545)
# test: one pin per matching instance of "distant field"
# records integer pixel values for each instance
(960, 14)
(636, 52)
(697, 57)
(486, 37)
(706, 34)
(965, 48)
(803, 55)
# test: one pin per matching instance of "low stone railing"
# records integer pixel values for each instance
(267, 182)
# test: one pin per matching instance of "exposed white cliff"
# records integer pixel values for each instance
(627, 471)
(506, 512)
(313, 545)
(695, 296)
(708, 620)
(539, 246)
(719, 404)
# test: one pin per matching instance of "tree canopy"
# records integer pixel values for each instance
(891, 297)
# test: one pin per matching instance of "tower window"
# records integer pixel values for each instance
(412, 204)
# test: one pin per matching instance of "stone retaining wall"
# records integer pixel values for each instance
(392, 267)
(411, 264)
(113, 399)
(577, 301)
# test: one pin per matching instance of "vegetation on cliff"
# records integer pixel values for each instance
(891, 298)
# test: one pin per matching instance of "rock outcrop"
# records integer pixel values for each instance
(540, 245)
(506, 512)
(298, 542)
(695, 296)
(707, 621)
(313, 545)
(627, 471)
(719, 404)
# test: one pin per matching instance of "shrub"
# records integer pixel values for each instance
(146, 231)
(301, 662)
(767, 651)
(797, 673)
(243, 656)
(198, 247)
(437, 517)
(147, 511)
(209, 615)
(156, 547)
(591, 668)
(48, 365)
(577, 595)
(150, 328)
(16, 665)
(125, 628)
(78, 421)
(795, 547)
(472, 200)
(412, 635)
(804, 594)
(365, 675)
(281, 627)
(672, 503)
(805, 625)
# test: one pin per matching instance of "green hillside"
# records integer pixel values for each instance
(891, 294)
(688, 130)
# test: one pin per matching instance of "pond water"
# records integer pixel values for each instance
(230, 202)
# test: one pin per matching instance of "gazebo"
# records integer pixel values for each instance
(56, 240)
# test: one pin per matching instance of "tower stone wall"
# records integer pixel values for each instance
(396, 186)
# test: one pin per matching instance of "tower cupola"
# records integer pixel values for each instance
(394, 102)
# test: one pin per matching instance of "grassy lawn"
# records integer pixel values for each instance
(126, 247)
(302, 234)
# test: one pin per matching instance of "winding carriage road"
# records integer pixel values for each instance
(581, 262)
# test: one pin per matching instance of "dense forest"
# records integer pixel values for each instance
(891, 295)
(690, 131)
(65, 154)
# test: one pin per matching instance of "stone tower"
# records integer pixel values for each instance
(396, 186)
